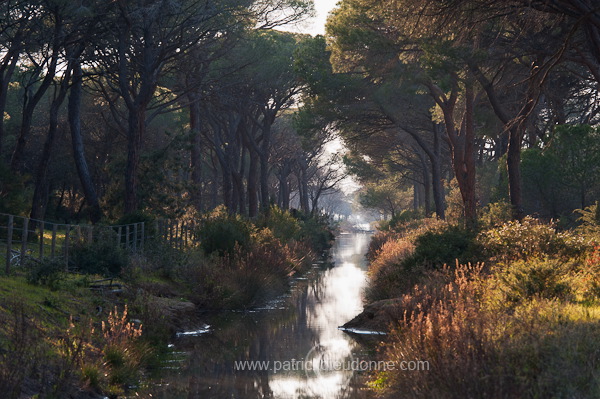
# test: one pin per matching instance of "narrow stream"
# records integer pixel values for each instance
(291, 348)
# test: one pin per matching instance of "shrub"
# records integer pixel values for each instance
(400, 220)
(316, 231)
(548, 279)
(259, 273)
(48, 272)
(283, 225)
(19, 349)
(378, 240)
(448, 330)
(101, 256)
(589, 220)
(135, 217)
(399, 264)
(120, 354)
(387, 275)
(243, 278)
(531, 238)
(221, 233)
(496, 213)
(445, 246)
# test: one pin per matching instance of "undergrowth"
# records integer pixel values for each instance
(522, 325)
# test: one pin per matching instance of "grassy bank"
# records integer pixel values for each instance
(512, 311)
(82, 335)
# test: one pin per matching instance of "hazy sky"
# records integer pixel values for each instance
(323, 7)
(315, 26)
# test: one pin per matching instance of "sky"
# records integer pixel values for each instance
(323, 7)
(316, 26)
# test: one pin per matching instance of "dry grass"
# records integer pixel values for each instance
(480, 345)
(387, 276)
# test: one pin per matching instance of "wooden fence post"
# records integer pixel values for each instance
(66, 247)
(24, 239)
(185, 234)
(171, 230)
(193, 232)
(177, 234)
(9, 235)
(41, 254)
(53, 245)
(143, 239)
(135, 237)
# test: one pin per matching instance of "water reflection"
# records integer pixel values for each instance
(307, 356)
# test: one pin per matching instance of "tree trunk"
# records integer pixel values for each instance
(427, 197)
(78, 148)
(513, 163)
(6, 74)
(32, 102)
(283, 199)
(515, 127)
(467, 169)
(252, 185)
(238, 176)
(264, 160)
(214, 198)
(461, 144)
(135, 129)
(227, 191)
(436, 173)
(303, 187)
(426, 182)
(40, 192)
(196, 152)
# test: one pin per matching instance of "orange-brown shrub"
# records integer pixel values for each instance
(408, 231)
(476, 345)
(387, 277)
(449, 329)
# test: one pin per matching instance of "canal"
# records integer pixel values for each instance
(290, 348)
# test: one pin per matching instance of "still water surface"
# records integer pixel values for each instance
(295, 340)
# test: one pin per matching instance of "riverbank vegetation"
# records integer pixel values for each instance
(104, 329)
(511, 311)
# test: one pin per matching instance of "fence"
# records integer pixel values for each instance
(25, 238)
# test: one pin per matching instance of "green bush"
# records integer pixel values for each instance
(400, 220)
(531, 238)
(548, 279)
(317, 233)
(283, 225)
(101, 256)
(221, 233)
(48, 272)
(436, 248)
(135, 217)
(589, 220)
(496, 213)
(243, 278)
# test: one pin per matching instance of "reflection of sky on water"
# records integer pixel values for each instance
(306, 319)
(339, 299)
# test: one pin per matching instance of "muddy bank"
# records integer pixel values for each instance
(378, 316)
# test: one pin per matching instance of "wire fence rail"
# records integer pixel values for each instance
(22, 238)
